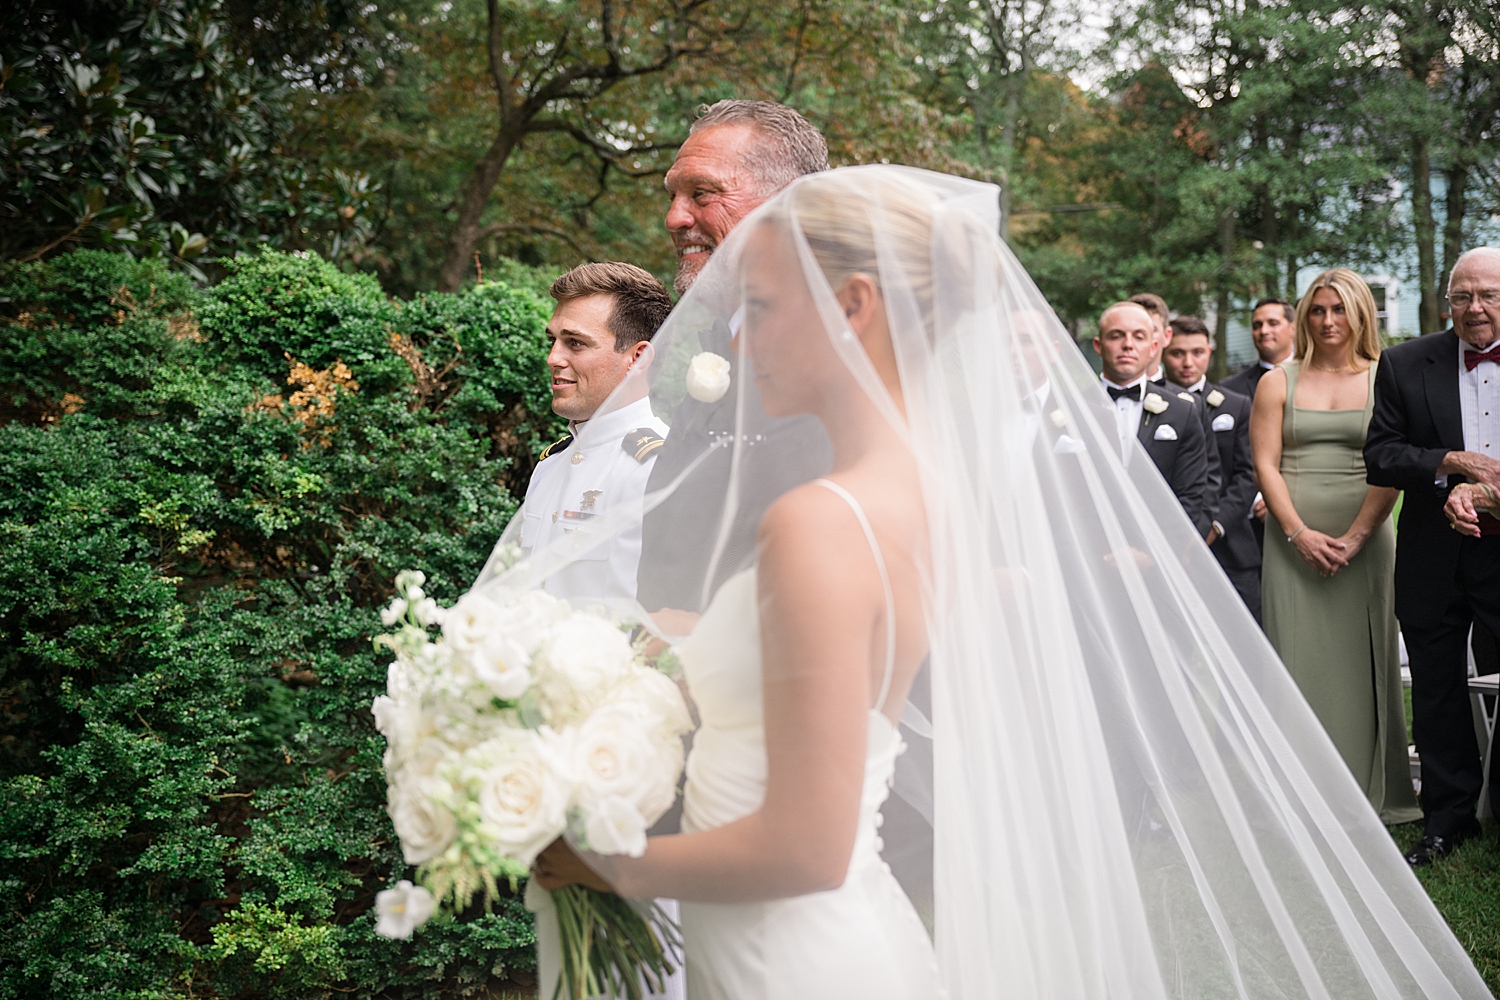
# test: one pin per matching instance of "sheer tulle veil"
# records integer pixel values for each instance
(1128, 796)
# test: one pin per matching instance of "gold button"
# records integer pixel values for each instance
(554, 517)
(577, 457)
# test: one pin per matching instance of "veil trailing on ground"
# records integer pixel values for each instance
(1128, 796)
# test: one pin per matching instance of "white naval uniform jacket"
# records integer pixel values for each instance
(600, 476)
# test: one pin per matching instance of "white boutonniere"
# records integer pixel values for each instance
(707, 377)
(1059, 419)
(1215, 398)
(1154, 403)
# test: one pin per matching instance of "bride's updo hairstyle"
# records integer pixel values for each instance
(838, 213)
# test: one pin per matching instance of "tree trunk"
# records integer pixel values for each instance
(1453, 228)
(465, 234)
(1011, 118)
(1421, 206)
(1220, 366)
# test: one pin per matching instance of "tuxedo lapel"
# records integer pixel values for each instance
(1440, 383)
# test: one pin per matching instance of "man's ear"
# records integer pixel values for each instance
(1096, 348)
(634, 352)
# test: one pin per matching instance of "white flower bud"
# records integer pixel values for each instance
(707, 377)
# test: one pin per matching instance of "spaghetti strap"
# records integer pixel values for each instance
(885, 585)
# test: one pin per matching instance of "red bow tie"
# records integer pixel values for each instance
(1473, 359)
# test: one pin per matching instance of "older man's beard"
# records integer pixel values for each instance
(688, 270)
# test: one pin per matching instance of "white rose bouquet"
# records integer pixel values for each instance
(525, 720)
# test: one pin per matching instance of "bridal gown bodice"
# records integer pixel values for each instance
(863, 939)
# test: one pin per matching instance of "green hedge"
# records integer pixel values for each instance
(205, 499)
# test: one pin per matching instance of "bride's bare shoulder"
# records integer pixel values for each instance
(809, 519)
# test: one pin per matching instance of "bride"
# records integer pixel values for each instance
(1127, 796)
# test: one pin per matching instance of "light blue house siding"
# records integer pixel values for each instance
(1398, 313)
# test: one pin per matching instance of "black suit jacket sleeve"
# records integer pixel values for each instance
(1190, 481)
(1239, 490)
(1391, 457)
(1183, 459)
(1216, 475)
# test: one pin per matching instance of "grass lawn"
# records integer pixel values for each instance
(1466, 888)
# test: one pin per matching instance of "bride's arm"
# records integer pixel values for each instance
(819, 603)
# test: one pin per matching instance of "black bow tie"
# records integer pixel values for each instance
(1133, 393)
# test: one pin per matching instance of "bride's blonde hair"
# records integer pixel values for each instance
(838, 215)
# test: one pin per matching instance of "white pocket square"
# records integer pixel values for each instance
(1224, 422)
(1166, 432)
(1068, 446)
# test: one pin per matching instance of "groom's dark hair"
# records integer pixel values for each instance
(641, 302)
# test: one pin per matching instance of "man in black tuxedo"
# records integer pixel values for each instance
(1169, 427)
(1436, 423)
(1273, 327)
(1227, 414)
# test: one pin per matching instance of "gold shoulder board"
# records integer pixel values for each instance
(555, 446)
(641, 442)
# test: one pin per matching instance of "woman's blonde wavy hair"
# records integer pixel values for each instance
(1359, 306)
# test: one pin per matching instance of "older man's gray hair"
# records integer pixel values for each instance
(790, 145)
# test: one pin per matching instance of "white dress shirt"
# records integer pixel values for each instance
(1128, 410)
(1479, 399)
(591, 483)
(1479, 406)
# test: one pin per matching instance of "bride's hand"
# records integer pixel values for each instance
(559, 865)
(670, 621)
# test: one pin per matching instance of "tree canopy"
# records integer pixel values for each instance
(1207, 149)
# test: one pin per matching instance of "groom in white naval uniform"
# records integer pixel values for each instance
(605, 317)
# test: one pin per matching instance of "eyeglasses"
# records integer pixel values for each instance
(1462, 300)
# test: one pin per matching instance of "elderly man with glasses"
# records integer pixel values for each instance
(1435, 433)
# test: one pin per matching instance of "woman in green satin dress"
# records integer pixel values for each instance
(1327, 579)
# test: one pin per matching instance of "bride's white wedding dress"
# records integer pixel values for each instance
(863, 939)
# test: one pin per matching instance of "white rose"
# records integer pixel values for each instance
(1154, 403)
(616, 754)
(401, 910)
(399, 722)
(523, 796)
(497, 640)
(658, 695)
(707, 377)
(582, 655)
(416, 759)
(615, 826)
(500, 664)
(469, 622)
(418, 809)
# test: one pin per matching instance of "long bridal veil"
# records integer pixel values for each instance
(1128, 796)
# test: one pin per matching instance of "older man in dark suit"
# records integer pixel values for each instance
(1168, 427)
(1227, 414)
(738, 154)
(1436, 423)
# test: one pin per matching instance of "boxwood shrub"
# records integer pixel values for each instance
(206, 495)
